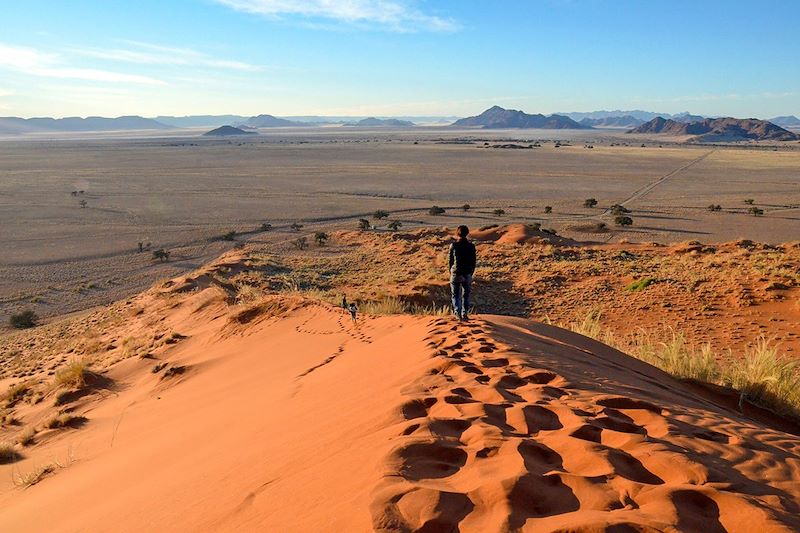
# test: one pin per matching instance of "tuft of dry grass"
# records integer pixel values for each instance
(392, 305)
(34, 476)
(7, 453)
(64, 420)
(761, 376)
(73, 376)
(17, 392)
(26, 437)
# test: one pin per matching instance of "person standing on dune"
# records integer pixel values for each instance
(462, 266)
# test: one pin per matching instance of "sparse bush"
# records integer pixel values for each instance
(436, 210)
(380, 214)
(589, 202)
(499, 212)
(64, 420)
(363, 224)
(755, 211)
(23, 319)
(466, 207)
(764, 377)
(618, 209)
(7, 453)
(623, 221)
(266, 226)
(161, 254)
(230, 236)
(548, 209)
(749, 201)
(714, 207)
(83, 204)
(296, 226)
(536, 226)
(394, 225)
(321, 238)
(17, 392)
(300, 243)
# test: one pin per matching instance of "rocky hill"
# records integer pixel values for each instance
(719, 129)
(498, 118)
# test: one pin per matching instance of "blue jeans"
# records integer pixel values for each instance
(460, 289)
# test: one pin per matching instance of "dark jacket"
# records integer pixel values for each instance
(462, 258)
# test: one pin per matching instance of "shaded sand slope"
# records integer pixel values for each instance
(286, 417)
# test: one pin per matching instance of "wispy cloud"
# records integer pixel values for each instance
(393, 15)
(154, 54)
(37, 63)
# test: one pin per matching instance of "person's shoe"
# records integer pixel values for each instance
(464, 317)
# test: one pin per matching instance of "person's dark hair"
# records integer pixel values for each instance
(462, 231)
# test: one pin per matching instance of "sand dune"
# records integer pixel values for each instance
(284, 416)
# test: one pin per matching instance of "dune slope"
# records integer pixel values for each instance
(287, 417)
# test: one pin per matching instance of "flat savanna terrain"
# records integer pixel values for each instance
(182, 193)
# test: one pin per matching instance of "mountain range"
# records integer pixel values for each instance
(15, 125)
(496, 118)
(719, 129)
(372, 121)
(625, 121)
(788, 121)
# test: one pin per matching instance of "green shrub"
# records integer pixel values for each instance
(379, 214)
(436, 210)
(23, 319)
(623, 221)
(640, 285)
(589, 202)
(499, 212)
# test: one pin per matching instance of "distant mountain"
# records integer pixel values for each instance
(719, 129)
(269, 121)
(687, 117)
(625, 121)
(200, 121)
(496, 117)
(372, 121)
(16, 125)
(226, 131)
(788, 121)
(639, 114)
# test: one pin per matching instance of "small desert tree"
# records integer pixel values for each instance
(363, 224)
(230, 236)
(82, 203)
(589, 202)
(755, 211)
(301, 243)
(266, 226)
(548, 209)
(380, 214)
(714, 207)
(23, 319)
(623, 221)
(161, 254)
(321, 238)
(466, 207)
(749, 201)
(394, 225)
(436, 210)
(499, 212)
(296, 226)
(618, 209)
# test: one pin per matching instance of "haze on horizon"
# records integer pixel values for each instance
(397, 57)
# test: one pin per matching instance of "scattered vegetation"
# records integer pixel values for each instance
(548, 209)
(618, 209)
(623, 221)
(755, 211)
(392, 305)
(380, 214)
(230, 236)
(749, 201)
(16, 392)
(394, 225)
(296, 226)
(301, 243)
(590, 202)
(266, 226)
(73, 376)
(436, 210)
(499, 212)
(466, 207)
(23, 319)
(26, 437)
(64, 420)
(363, 224)
(714, 207)
(83, 204)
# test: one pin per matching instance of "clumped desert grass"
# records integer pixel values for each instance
(63, 420)
(765, 377)
(7, 453)
(73, 376)
(761, 376)
(17, 392)
(640, 285)
(26, 437)
(33, 477)
(392, 305)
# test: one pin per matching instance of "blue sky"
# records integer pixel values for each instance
(397, 57)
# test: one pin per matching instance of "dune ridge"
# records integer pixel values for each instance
(282, 415)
